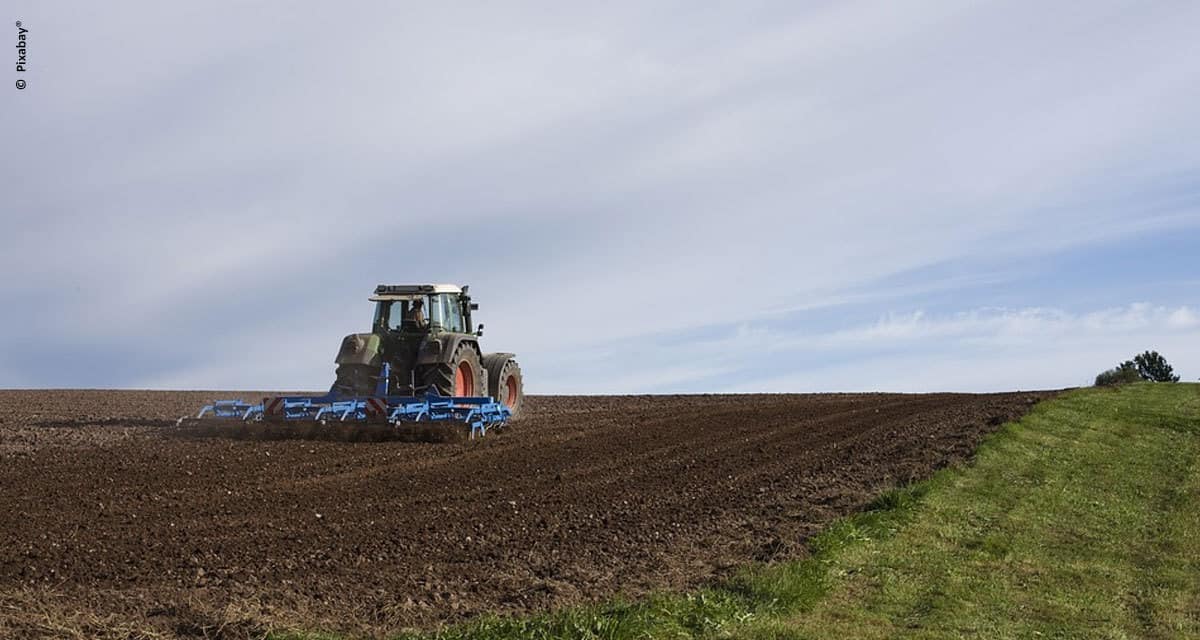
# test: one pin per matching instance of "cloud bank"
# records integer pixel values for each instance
(619, 184)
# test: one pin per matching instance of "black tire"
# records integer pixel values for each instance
(442, 376)
(356, 379)
(503, 371)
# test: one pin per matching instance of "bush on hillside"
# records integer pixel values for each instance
(1148, 365)
(1123, 373)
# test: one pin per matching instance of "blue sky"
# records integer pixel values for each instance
(645, 197)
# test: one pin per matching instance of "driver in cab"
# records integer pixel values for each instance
(415, 317)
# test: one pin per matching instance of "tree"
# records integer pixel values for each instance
(1153, 367)
(1121, 374)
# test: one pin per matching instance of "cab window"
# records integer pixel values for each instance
(389, 314)
(452, 319)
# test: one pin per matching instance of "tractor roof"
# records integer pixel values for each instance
(407, 291)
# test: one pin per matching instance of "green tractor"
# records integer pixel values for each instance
(425, 334)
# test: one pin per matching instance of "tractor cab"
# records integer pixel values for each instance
(444, 308)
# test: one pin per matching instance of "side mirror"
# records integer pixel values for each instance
(479, 330)
(474, 306)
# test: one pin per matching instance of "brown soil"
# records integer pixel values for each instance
(111, 523)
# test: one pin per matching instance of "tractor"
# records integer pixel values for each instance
(418, 372)
(426, 336)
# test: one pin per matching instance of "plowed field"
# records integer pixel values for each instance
(111, 522)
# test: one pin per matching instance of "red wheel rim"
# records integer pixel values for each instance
(510, 391)
(464, 380)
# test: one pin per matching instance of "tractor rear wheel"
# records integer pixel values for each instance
(462, 376)
(505, 384)
(356, 379)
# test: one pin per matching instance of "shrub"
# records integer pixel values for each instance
(1121, 374)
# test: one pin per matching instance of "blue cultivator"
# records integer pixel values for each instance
(379, 414)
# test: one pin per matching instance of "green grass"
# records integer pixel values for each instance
(1080, 521)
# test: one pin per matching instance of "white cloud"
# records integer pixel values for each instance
(1183, 318)
(1012, 326)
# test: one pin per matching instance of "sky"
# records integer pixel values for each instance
(645, 197)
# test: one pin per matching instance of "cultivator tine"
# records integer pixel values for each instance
(226, 409)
